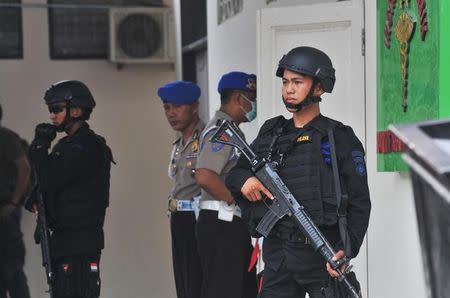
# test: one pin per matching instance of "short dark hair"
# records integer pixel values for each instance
(1, 113)
(225, 96)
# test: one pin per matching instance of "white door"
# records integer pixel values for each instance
(337, 29)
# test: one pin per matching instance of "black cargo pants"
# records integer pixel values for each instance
(77, 277)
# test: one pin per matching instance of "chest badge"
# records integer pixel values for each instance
(304, 139)
(194, 146)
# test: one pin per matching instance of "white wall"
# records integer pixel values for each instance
(137, 259)
(394, 260)
(232, 46)
(395, 264)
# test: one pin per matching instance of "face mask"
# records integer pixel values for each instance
(251, 115)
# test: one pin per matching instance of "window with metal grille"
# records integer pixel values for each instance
(193, 20)
(11, 45)
(80, 29)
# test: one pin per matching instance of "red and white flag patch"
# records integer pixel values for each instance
(65, 267)
(94, 267)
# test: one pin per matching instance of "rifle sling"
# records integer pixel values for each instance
(341, 199)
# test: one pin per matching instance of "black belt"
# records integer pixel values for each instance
(331, 233)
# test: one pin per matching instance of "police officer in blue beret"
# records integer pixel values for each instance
(180, 101)
(223, 240)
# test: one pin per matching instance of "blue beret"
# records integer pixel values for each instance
(237, 80)
(179, 92)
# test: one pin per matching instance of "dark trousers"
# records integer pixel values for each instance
(225, 249)
(12, 256)
(186, 262)
(77, 277)
(15, 285)
(292, 269)
(284, 284)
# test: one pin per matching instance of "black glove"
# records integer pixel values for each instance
(44, 134)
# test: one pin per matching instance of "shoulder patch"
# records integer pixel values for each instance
(216, 147)
(205, 133)
(359, 163)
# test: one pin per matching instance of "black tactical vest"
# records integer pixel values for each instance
(81, 205)
(297, 151)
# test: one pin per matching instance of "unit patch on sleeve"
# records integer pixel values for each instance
(358, 160)
(216, 147)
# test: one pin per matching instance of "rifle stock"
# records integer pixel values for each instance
(283, 203)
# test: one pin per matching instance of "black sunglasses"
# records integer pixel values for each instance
(55, 109)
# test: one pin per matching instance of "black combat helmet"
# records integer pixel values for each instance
(75, 93)
(311, 62)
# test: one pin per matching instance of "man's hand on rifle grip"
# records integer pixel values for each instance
(253, 188)
(333, 273)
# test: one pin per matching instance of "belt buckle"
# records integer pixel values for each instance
(172, 205)
(184, 205)
(298, 237)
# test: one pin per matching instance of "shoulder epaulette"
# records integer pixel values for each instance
(330, 124)
(272, 123)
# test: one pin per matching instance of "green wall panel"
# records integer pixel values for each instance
(444, 75)
(423, 75)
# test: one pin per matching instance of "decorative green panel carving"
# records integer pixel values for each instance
(422, 73)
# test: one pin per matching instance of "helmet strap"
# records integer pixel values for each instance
(309, 99)
(67, 119)
(63, 125)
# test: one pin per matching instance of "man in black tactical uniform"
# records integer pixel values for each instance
(74, 181)
(14, 179)
(301, 148)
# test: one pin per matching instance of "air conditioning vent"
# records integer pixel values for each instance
(142, 35)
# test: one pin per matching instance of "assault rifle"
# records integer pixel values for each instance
(283, 203)
(42, 233)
